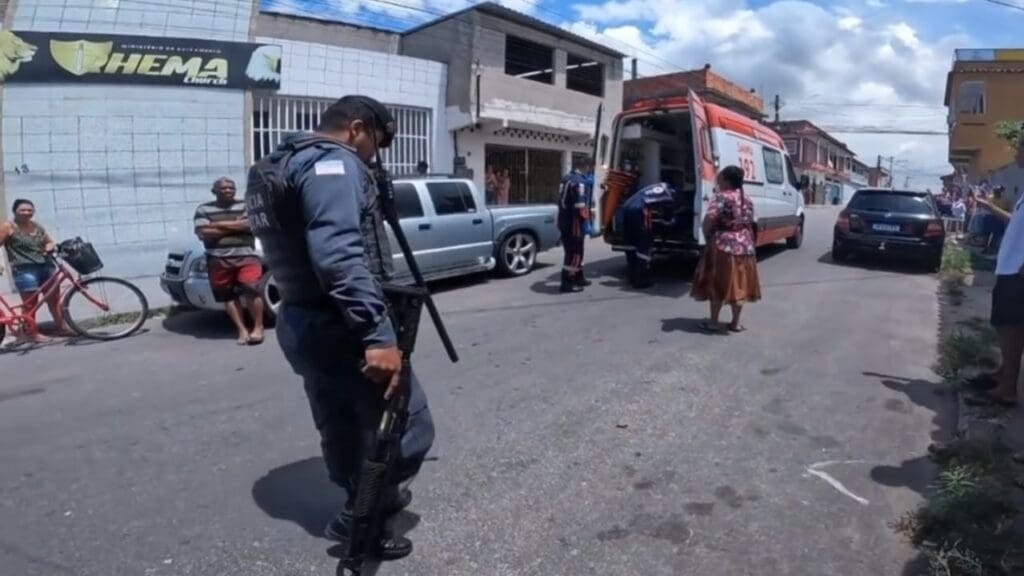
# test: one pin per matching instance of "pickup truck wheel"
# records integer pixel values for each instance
(271, 297)
(517, 254)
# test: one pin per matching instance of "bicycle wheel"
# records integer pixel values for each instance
(105, 308)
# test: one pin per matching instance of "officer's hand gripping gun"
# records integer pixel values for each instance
(405, 305)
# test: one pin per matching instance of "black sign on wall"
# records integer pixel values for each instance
(55, 57)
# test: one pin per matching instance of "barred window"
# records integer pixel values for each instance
(274, 118)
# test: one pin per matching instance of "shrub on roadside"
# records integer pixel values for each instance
(956, 261)
(961, 350)
(965, 528)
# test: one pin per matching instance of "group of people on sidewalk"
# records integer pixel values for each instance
(727, 270)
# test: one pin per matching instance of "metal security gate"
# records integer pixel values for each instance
(535, 174)
(274, 117)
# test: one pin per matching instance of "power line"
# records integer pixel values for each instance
(1006, 4)
(870, 130)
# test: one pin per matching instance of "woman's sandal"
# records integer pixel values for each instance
(711, 328)
(737, 329)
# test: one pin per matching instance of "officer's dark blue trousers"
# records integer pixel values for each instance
(346, 405)
(573, 241)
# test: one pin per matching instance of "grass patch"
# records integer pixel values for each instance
(956, 260)
(964, 349)
(966, 528)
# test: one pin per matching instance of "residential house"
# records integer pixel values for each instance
(983, 88)
(709, 85)
(879, 178)
(522, 97)
(826, 162)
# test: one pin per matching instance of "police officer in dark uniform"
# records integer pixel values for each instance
(314, 205)
(573, 220)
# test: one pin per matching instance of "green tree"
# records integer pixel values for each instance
(1012, 132)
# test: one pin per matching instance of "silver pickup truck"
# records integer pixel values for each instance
(451, 231)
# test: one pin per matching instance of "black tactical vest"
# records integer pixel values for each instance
(275, 215)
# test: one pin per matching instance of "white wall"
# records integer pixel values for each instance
(322, 71)
(124, 166)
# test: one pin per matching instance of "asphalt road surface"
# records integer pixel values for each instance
(589, 434)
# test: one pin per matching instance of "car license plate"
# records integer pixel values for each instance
(885, 227)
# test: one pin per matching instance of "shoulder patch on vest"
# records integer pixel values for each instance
(329, 168)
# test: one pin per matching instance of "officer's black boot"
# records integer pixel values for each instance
(581, 280)
(390, 547)
(569, 283)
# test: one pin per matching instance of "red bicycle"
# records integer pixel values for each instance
(97, 307)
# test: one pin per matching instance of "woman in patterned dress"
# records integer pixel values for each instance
(727, 273)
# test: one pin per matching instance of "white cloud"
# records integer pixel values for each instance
(850, 23)
(828, 65)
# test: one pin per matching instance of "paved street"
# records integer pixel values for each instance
(592, 434)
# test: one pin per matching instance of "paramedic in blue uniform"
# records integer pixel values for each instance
(573, 218)
(637, 219)
(314, 205)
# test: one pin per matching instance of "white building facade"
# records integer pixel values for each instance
(125, 165)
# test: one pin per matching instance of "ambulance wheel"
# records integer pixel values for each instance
(797, 239)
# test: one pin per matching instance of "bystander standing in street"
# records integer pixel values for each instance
(959, 211)
(233, 265)
(727, 273)
(27, 244)
(1007, 309)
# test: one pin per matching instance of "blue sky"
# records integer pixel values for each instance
(852, 65)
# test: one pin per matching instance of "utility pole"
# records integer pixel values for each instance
(891, 175)
(633, 71)
(778, 105)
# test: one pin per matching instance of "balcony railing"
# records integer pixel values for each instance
(987, 55)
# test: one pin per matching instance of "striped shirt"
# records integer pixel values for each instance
(235, 244)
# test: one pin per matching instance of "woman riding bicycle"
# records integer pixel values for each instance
(28, 245)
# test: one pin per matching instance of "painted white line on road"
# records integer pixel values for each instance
(816, 470)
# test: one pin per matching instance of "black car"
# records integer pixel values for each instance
(896, 222)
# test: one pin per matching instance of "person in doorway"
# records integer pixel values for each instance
(727, 273)
(316, 208)
(28, 246)
(1007, 316)
(573, 213)
(504, 183)
(234, 268)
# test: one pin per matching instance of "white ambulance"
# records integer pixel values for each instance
(685, 142)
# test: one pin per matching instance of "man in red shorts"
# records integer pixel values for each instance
(234, 267)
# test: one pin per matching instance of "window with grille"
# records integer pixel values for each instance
(971, 98)
(274, 118)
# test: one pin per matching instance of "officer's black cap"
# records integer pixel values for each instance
(382, 117)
